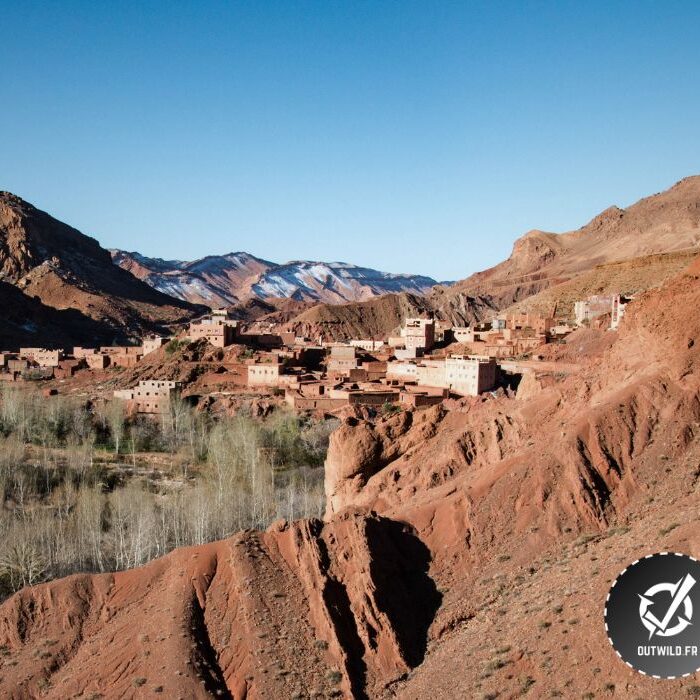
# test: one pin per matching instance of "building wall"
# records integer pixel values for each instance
(592, 307)
(17, 365)
(406, 371)
(372, 398)
(263, 374)
(96, 361)
(432, 373)
(419, 400)
(341, 364)
(343, 352)
(368, 345)
(125, 360)
(152, 344)
(217, 332)
(48, 358)
(619, 304)
(121, 350)
(419, 333)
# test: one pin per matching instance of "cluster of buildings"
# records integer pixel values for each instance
(42, 363)
(415, 368)
(375, 373)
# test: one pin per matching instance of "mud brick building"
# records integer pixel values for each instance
(217, 330)
(264, 374)
(619, 304)
(419, 333)
(152, 396)
(343, 358)
(153, 343)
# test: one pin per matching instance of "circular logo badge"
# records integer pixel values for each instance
(649, 615)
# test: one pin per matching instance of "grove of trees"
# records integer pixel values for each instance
(86, 488)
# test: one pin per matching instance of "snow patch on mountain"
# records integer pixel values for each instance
(228, 279)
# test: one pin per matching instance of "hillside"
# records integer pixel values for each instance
(619, 250)
(226, 280)
(662, 223)
(26, 321)
(56, 265)
(625, 277)
(367, 319)
(488, 531)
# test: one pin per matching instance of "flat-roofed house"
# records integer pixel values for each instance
(343, 358)
(153, 343)
(264, 374)
(470, 376)
(154, 396)
(219, 332)
(419, 333)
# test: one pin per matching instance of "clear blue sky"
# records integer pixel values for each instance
(408, 136)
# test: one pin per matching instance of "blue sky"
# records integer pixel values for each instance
(408, 136)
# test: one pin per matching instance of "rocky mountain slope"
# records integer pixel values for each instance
(619, 250)
(216, 281)
(226, 280)
(466, 550)
(662, 223)
(55, 265)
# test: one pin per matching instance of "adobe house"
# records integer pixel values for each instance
(216, 330)
(432, 373)
(264, 374)
(125, 360)
(419, 333)
(619, 304)
(470, 376)
(366, 397)
(17, 365)
(368, 345)
(152, 396)
(402, 371)
(79, 352)
(539, 324)
(48, 358)
(343, 358)
(466, 376)
(408, 353)
(28, 353)
(153, 343)
(592, 307)
(421, 399)
(96, 361)
(375, 369)
(466, 334)
(5, 357)
(67, 368)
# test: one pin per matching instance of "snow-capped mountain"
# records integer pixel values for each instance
(223, 280)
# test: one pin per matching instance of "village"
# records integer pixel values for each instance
(427, 362)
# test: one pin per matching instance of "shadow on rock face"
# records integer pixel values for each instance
(405, 592)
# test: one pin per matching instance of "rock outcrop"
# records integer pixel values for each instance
(58, 267)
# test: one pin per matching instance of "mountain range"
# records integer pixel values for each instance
(59, 286)
(226, 280)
